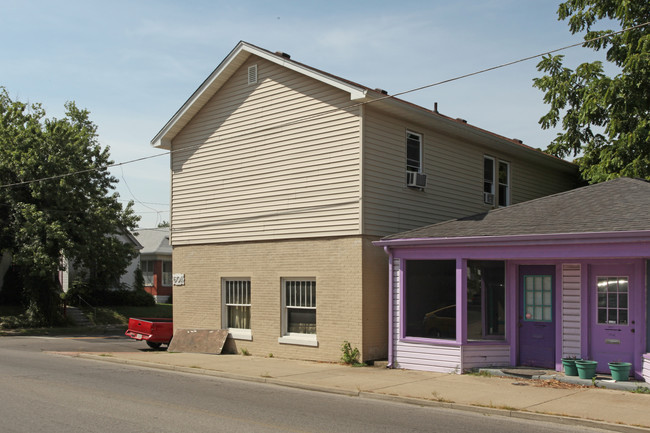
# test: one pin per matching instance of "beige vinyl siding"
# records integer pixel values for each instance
(454, 170)
(277, 159)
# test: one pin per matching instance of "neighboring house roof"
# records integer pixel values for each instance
(358, 94)
(129, 236)
(154, 241)
(620, 205)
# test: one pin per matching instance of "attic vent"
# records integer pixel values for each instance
(252, 74)
(283, 54)
(518, 140)
(461, 120)
(382, 91)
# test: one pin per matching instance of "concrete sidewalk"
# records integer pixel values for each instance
(542, 399)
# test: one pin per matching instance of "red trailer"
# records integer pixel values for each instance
(154, 331)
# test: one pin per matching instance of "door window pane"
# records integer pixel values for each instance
(612, 300)
(538, 293)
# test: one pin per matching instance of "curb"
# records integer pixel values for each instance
(518, 414)
(598, 383)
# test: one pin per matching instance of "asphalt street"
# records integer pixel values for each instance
(41, 391)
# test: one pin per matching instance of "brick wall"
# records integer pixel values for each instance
(335, 263)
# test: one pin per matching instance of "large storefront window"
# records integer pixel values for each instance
(431, 299)
(485, 300)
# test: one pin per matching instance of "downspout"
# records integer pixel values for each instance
(388, 251)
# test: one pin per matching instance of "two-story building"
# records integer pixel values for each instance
(283, 175)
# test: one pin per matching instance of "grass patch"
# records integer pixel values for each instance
(641, 390)
(479, 373)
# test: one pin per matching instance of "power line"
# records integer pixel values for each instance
(335, 110)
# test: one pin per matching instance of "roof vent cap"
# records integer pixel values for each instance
(518, 140)
(382, 91)
(461, 120)
(283, 54)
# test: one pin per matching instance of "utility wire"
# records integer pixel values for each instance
(335, 110)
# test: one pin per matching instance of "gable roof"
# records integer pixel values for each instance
(358, 94)
(620, 205)
(154, 241)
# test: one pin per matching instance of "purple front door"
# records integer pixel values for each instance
(611, 320)
(536, 316)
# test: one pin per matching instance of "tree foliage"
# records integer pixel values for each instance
(605, 120)
(73, 216)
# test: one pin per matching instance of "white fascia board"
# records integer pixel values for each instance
(212, 84)
(356, 93)
(189, 108)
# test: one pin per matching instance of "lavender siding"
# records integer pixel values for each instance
(485, 355)
(571, 311)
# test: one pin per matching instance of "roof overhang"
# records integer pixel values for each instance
(642, 236)
(224, 71)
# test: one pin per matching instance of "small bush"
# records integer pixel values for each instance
(349, 355)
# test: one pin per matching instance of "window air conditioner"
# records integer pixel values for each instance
(416, 180)
(488, 198)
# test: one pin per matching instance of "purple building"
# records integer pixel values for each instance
(529, 284)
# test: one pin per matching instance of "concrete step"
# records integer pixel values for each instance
(77, 316)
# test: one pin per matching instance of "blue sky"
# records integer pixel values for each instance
(133, 63)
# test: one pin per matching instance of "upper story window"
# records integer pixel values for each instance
(496, 182)
(504, 183)
(488, 175)
(413, 152)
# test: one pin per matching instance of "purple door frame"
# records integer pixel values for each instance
(536, 337)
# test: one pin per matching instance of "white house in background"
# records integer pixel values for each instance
(126, 280)
(156, 262)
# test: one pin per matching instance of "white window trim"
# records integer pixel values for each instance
(421, 162)
(235, 333)
(294, 337)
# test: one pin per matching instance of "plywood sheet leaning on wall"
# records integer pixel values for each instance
(198, 341)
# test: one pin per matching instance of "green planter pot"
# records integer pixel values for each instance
(586, 369)
(570, 368)
(620, 370)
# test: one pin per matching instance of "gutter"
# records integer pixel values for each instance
(388, 251)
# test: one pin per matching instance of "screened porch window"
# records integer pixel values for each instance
(486, 299)
(430, 299)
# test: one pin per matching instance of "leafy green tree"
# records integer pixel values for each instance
(605, 120)
(58, 215)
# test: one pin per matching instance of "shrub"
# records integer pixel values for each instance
(349, 355)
